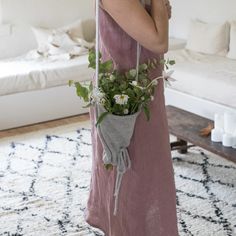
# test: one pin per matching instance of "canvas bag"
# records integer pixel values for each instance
(115, 132)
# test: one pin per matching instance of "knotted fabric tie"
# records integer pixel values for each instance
(124, 163)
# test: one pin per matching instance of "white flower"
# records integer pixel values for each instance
(102, 101)
(134, 83)
(126, 111)
(112, 77)
(121, 99)
(142, 98)
(152, 98)
(97, 95)
(167, 77)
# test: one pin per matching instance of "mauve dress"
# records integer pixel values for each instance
(147, 198)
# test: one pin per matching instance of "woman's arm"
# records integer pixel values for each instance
(150, 31)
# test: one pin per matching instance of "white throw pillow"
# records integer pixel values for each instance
(232, 45)
(208, 38)
(75, 29)
(60, 37)
(42, 37)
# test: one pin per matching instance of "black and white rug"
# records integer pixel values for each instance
(45, 176)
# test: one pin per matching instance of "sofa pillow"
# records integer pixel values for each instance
(74, 30)
(63, 36)
(208, 38)
(232, 45)
(42, 38)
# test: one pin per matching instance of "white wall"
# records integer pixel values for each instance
(206, 10)
(46, 13)
(0, 12)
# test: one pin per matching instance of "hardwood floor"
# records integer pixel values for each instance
(44, 125)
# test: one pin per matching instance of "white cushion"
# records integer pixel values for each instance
(208, 38)
(209, 77)
(62, 38)
(232, 45)
(65, 40)
(74, 30)
(42, 37)
(21, 75)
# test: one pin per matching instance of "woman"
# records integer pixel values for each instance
(147, 198)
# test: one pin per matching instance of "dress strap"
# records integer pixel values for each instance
(138, 52)
(98, 3)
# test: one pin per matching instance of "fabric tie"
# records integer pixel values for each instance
(124, 163)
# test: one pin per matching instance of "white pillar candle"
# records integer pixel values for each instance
(229, 122)
(218, 121)
(228, 140)
(234, 140)
(216, 135)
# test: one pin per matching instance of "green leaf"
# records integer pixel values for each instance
(163, 61)
(147, 112)
(143, 67)
(108, 166)
(172, 62)
(82, 91)
(107, 65)
(92, 58)
(70, 82)
(101, 117)
(153, 65)
(133, 72)
(88, 105)
(91, 86)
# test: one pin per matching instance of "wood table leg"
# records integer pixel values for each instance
(183, 147)
(180, 145)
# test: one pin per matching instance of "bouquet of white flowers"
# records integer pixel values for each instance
(121, 94)
(119, 98)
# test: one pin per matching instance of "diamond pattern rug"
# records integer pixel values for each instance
(45, 176)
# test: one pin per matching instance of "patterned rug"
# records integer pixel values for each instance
(45, 176)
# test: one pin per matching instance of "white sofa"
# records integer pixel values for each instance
(205, 84)
(37, 91)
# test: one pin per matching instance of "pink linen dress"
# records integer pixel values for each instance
(147, 198)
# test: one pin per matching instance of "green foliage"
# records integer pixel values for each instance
(101, 117)
(108, 166)
(112, 82)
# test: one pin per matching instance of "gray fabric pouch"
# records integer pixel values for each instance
(115, 133)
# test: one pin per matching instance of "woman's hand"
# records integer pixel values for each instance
(168, 7)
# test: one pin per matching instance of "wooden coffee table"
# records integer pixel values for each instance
(186, 127)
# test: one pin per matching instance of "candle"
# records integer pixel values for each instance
(216, 135)
(229, 122)
(218, 121)
(228, 140)
(234, 140)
